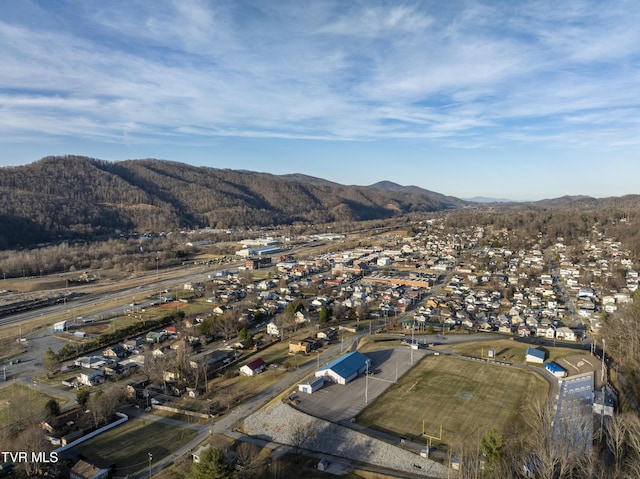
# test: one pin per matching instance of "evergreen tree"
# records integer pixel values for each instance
(213, 465)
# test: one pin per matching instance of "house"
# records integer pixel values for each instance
(273, 330)
(346, 368)
(137, 390)
(534, 355)
(301, 316)
(524, 330)
(171, 330)
(566, 334)
(114, 352)
(505, 328)
(545, 332)
(131, 344)
(63, 423)
(301, 346)
(155, 337)
(91, 377)
(327, 334)
(92, 362)
(86, 470)
(254, 367)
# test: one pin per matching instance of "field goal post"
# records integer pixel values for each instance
(430, 437)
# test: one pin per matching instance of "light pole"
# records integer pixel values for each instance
(318, 363)
(150, 458)
(157, 267)
(604, 343)
(366, 385)
(413, 328)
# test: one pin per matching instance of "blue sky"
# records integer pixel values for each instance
(516, 99)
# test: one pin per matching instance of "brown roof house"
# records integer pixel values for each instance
(254, 367)
(86, 470)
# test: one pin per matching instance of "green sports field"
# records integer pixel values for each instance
(462, 396)
(128, 446)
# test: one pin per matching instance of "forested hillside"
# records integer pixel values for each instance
(78, 196)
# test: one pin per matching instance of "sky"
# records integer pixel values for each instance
(505, 99)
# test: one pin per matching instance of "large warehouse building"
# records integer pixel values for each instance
(345, 368)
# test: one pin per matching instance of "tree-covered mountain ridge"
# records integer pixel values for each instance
(65, 196)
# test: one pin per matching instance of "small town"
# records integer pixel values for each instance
(293, 346)
(276, 240)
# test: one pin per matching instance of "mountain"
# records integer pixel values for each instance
(565, 200)
(70, 196)
(415, 190)
(485, 199)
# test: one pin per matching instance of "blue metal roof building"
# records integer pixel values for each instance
(534, 355)
(345, 368)
(555, 369)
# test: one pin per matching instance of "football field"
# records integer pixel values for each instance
(464, 397)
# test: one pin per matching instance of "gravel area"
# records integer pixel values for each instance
(281, 423)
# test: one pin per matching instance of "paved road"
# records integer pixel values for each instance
(227, 423)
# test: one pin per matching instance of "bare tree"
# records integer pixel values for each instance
(103, 404)
(31, 440)
(300, 433)
(248, 457)
(227, 324)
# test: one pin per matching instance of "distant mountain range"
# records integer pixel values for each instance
(485, 199)
(74, 196)
(61, 197)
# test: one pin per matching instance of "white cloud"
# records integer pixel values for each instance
(469, 74)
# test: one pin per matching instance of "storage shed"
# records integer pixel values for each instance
(555, 369)
(534, 355)
(311, 386)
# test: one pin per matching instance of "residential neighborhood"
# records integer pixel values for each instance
(274, 314)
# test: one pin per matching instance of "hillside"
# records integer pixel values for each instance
(78, 196)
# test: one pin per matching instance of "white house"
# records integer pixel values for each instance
(566, 334)
(91, 377)
(254, 367)
(273, 330)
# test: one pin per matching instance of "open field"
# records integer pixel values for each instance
(460, 395)
(128, 445)
(19, 402)
(511, 351)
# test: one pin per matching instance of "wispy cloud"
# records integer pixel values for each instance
(467, 73)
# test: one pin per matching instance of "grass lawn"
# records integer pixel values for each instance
(510, 350)
(461, 395)
(19, 401)
(371, 344)
(128, 445)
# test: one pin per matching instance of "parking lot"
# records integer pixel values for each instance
(336, 403)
